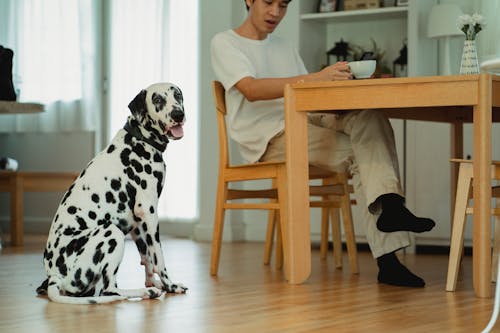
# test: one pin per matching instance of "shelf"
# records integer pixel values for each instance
(357, 15)
(8, 107)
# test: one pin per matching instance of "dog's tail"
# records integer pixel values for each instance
(54, 294)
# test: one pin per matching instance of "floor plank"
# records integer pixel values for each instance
(246, 296)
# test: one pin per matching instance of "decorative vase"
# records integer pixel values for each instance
(469, 63)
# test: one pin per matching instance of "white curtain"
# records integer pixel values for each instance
(156, 41)
(73, 55)
(489, 39)
(54, 62)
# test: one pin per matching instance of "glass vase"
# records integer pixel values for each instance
(469, 63)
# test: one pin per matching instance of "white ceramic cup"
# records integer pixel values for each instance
(362, 69)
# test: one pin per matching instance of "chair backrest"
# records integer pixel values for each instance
(220, 108)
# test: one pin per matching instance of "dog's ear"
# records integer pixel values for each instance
(138, 105)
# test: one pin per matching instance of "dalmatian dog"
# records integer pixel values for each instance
(116, 195)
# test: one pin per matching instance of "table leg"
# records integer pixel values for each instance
(482, 189)
(16, 210)
(457, 151)
(297, 251)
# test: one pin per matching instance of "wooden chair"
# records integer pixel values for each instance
(333, 193)
(462, 209)
(18, 182)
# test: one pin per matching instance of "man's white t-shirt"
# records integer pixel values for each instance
(253, 124)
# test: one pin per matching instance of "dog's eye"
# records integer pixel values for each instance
(178, 96)
(157, 99)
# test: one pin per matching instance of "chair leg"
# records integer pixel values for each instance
(271, 227)
(218, 227)
(496, 245)
(459, 217)
(323, 248)
(282, 239)
(279, 244)
(350, 236)
(336, 237)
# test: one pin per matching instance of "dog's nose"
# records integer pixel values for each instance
(177, 115)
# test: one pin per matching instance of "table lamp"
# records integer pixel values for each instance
(443, 25)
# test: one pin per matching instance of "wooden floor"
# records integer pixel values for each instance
(246, 297)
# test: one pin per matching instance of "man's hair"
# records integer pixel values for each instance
(254, 0)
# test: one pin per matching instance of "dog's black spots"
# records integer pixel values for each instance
(107, 216)
(95, 198)
(111, 149)
(149, 240)
(137, 231)
(151, 209)
(130, 173)
(141, 246)
(148, 169)
(42, 289)
(71, 210)
(159, 185)
(81, 223)
(144, 184)
(107, 233)
(141, 152)
(92, 215)
(69, 231)
(123, 222)
(145, 227)
(125, 157)
(110, 198)
(137, 166)
(116, 184)
(122, 196)
(131, 192)
(157, 235)
(56, 244)
(48, 255)
(61, 265)
(89, 274)
(112, 245)
(99, 245)
(62, 250)
(98, 256)
(77, 245)
(121, 207)
(157, 157)
(155, 259)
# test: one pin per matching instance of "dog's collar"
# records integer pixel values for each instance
(135, 132)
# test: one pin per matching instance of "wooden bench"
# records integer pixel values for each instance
(18, 182)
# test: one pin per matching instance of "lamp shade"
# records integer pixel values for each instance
(443, 21)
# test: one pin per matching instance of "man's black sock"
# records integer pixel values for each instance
(392, 272)
(396, 217)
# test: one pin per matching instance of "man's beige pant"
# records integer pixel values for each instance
(361, 142)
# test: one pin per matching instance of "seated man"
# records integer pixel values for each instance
(254, 66)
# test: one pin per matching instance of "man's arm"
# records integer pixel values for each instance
(270, 88)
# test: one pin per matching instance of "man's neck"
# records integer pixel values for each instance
(249, 31)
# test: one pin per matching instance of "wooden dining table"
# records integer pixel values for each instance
(455, 99)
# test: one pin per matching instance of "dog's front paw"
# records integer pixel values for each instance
(175, 288)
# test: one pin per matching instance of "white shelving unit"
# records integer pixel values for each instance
(315, 33)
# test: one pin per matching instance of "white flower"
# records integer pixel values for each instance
(471, 25)
(478, 19)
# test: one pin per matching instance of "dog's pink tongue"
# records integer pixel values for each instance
(177, 131)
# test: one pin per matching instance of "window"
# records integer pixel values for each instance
(63, 49)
